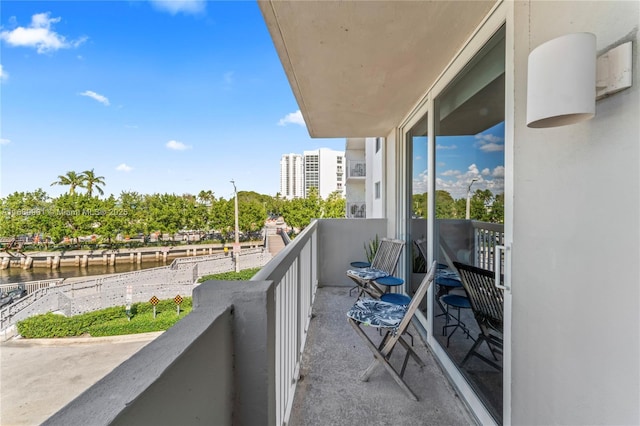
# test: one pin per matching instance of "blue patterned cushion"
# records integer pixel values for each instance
(367, 273)
(377, 313)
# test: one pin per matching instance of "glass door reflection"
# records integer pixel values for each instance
(469, 208)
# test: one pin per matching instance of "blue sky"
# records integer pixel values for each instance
(460, 160)
(156, 96)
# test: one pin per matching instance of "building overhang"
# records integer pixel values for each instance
(357, 68)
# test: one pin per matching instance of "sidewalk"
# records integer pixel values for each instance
(40, 376)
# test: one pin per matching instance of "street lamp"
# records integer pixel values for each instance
(236, 246)
(468, 214)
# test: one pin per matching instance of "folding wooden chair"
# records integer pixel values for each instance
(487, 304)
(383, 264)
(394, 319)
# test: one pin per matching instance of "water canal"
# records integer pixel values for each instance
(15, 275)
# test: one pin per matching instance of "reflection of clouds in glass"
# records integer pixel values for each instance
(492, 147)
(489, 142)
(421, 183)
(456, 182)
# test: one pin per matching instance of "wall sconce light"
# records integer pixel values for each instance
(561, 87)
(564, 76)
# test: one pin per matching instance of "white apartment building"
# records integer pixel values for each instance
(324, 169)
(365, 174)
(291, 176)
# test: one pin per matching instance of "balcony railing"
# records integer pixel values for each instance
(356, 169)
(486, 237)
(357, 210)
(294, 274)
(234, 359)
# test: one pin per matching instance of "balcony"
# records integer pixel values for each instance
(274, 350)
(356, 170)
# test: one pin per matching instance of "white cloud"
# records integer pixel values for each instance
(40, 35)
(473, 170)
(4, 75)
(440, 147)
(177, 146)
(180, 6)
(421, 183)
(96, 96)
(486, 172)
(489, 138)
(124, 167)
(450, 173)
(492, 147)
(4, 141)
(489, 143)
(292, 117)
(498, 172)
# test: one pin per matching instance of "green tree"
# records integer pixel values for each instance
(445, 205)
(221, 215)
(206, 197)
(76, 215)
(299, 212)
(90, 181)
(71, 179)
(419, 204)
(251, 214)
(334, 206)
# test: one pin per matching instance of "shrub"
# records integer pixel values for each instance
(244, 275)
(106, 322)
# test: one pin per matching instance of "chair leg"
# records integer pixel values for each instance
(473, 352)
(380, 358)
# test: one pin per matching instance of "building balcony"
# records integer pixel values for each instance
(274, 350)
(356, 210)
(356, 170)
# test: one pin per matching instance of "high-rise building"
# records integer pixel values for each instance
(324, 169)
(291, 176)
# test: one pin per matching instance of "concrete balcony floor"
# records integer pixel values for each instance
(330, 391)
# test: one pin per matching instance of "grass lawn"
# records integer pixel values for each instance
(244, 275)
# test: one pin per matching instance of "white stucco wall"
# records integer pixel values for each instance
(576, 255)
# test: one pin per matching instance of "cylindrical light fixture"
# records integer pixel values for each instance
(561, 86)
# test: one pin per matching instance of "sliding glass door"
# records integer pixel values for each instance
(469, 170)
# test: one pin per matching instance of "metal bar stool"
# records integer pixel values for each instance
(457, 302)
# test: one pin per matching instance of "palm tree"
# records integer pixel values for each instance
(206, 197)
(71, 179)
(91, 182)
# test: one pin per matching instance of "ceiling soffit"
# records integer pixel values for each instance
(357, 67)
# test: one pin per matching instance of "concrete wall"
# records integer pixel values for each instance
(183, 377)
(340, 242)
(214, 367)
(575, 273)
